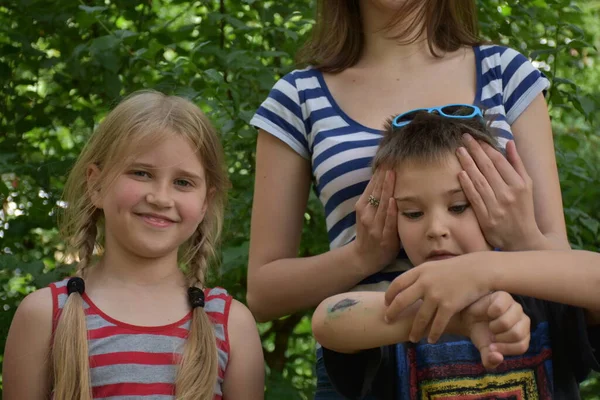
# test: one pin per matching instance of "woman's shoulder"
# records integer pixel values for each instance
(299, 79)
(496, 51)
(501, 59)
(508, 78)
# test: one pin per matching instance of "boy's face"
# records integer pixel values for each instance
(435, 220)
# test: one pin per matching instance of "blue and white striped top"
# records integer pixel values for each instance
(301, 112)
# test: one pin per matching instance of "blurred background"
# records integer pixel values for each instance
(64, 63)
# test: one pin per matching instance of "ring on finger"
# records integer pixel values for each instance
(373, 201)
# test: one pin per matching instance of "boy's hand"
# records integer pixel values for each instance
(446, 288)
(498, 327)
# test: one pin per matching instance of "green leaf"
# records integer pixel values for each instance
(104, 43)
(592, 224)
(213, 75)
(235, 257)
(92, 10)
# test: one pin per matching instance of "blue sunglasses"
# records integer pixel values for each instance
(460, 111)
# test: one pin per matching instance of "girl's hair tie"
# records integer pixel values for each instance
(76, 285)
(196, 297)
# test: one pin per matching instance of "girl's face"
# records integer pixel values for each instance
(157, 203)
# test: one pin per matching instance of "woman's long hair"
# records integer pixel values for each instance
(140, 121)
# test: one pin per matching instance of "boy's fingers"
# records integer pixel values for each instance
(519, 332)
(442, 318)
(508, 319)
(491, 359)
(480, 308)
(399, 284)
(500, 303)
(401, 302)
(513, 349)
(422, 320)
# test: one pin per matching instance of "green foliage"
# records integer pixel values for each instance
(64, 63)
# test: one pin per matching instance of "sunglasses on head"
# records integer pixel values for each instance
(461, 111)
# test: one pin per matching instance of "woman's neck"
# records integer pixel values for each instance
(380, 46)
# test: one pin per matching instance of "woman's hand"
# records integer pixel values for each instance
(377, 243)
(501, 194)
(498, 327)
(446, 288)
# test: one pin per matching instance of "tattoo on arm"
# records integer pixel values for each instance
(343, 304)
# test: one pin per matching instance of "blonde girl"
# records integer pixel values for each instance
(147, 195)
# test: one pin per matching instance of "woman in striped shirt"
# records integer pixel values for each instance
(369, 59)
(147, 195)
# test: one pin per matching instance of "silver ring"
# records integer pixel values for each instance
(373, 201)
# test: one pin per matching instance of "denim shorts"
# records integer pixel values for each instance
(325, 390)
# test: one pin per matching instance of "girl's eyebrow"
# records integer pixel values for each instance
(178, 171)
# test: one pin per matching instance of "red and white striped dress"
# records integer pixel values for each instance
(137, 362)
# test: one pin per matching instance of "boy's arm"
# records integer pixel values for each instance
(354, 335)
(354, 321)
(446, 287)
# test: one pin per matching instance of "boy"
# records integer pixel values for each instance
(436, 223)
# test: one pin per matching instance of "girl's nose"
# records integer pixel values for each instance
(160, 197)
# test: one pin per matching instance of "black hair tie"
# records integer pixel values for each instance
(76, 285)
(196, 297)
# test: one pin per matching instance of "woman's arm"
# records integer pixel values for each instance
(26, 369)
(280, 283)
(446, 287)
(568, 277)
(533, 137)
(245, 374)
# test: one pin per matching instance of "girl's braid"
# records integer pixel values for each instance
(199, 261)
(87, 244)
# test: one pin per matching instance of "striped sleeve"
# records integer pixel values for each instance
(521, 83)
(281, 115)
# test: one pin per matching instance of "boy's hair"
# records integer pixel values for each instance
(137, 124)
(428, 138)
